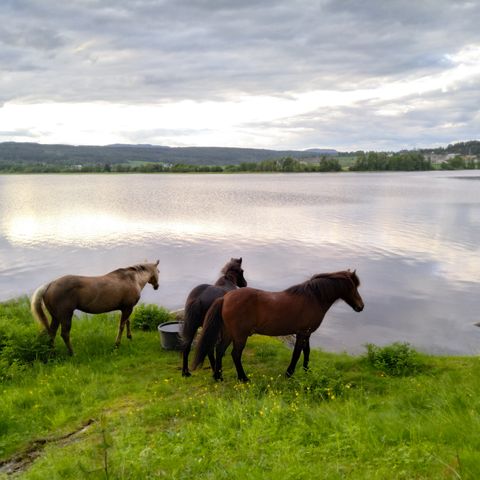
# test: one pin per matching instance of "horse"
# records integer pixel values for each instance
(297, 310)
(117, 290)
(199, 301)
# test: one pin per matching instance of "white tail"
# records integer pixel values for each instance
(37, 306)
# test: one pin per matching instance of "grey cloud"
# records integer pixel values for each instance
(37, 38)
(18, 133)
(158, 50)
(217, 48)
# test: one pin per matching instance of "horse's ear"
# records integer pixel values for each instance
(157, 262)
(240, 260)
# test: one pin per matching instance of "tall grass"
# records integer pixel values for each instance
(346, 418)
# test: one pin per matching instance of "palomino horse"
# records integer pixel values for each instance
(297, 310)
(117, 290)
(199, 301)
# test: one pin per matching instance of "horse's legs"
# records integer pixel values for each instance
(238, 346)
(297, 349)
(66, 323)
(52, 331)
(222, 345)
(123, 320)
(187, 345)
(129, 332)
(306, 353)
(211, 357)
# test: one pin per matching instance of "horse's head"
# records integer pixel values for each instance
(234, 272)
(350, 294)
(241, 282)
(154, 272)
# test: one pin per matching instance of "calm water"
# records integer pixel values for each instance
(413, 238)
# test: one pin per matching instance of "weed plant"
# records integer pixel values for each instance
(21, 341)
(149, 317)
(395, 359)
(345, 418)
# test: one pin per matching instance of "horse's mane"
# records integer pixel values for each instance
(231, 272)
(140, 267)
(234, 264)
(326, 285)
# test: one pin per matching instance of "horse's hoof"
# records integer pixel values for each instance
(288, 374)
(186, 373)
(218, 378)
(244, 379)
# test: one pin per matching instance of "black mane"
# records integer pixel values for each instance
(231, 272)
(235, 264)
(326, 285)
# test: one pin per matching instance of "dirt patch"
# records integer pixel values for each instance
(21, 461)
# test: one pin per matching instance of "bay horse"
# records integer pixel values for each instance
(297, 310)
(117, 290)
(199, 301)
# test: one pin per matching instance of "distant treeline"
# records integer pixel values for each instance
(461, 148)
(375, 161)
(409, 162)
(287, 164)
(357, 161)
(460, 163)
(371, 161)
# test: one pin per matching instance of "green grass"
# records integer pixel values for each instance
(347, 418)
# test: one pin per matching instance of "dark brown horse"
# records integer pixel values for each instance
(199, 301)
(117, 290)
(298, 310)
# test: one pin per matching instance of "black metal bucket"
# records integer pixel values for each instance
(170, 337)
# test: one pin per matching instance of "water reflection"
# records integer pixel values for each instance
(90, 229)
(413, 237)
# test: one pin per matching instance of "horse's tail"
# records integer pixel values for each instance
(192, 320)
(37, 308)
(212, 326)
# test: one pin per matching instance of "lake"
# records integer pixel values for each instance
(414, 239)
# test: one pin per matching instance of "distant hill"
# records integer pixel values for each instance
(322, 151)
(34, 153)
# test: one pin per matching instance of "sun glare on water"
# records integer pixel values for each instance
(95, 230)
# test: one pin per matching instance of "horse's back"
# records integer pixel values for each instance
(90, 294)
(250, 297)
(204, 295)
(61, 295)
(195, 293)
(249, 310)
(64, 286)
(75, 283)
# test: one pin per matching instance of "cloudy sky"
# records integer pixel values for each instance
(345, 74)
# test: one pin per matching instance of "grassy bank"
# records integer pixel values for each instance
(128, 413)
